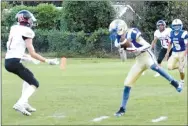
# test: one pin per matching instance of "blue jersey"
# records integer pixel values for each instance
(178, 40)
(132, 35)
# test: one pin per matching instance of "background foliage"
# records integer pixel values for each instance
(80, 28)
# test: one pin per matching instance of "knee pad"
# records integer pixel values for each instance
(154, 67)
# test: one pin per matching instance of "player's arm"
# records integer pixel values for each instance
(28, 36)
(145, 45)
(155, 39)
(154, 42)
(31, 50)
(168, 50)
(169, 46)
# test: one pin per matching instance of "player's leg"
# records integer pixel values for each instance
(28, 76)
(182, 64)
(26, 104)
(160, 59)
(25, 85)
(173, 62)
(14, 66)
(133, 75)
(153, 65)
(11, 66)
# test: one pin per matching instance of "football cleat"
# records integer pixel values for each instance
(180, 87)
(20, 108)
(29, 108)
(120, 112)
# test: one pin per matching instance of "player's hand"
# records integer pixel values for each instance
(52, 61)
(118, 45)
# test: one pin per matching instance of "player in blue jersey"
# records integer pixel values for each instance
(179, 40)
(145, 58)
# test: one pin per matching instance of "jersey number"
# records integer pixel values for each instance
(177, 45)
(165, 42)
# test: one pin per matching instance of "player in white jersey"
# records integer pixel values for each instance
(145, 59)
(162, 34)
(20, 38)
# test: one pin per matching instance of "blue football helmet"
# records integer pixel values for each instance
(117, 27)
(177, 25)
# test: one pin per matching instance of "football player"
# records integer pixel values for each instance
(179, 39)
(162, 34)
(21, 37)
(145, 59)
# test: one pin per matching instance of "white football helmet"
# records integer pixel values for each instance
(177, 25)
(119, 26)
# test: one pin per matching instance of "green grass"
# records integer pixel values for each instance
(90, 88)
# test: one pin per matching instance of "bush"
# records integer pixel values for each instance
(100, 42)
(76, 44)
(47, 16)
(66, 43)
(40, 40)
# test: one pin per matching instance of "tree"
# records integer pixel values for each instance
(178, 9)
(151, 13)
(87, 15)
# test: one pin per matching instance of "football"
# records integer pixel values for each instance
(126, 45)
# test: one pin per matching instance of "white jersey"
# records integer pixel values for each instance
(163, 36)
(16, 45)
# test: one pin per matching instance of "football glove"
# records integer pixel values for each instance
(52, 61)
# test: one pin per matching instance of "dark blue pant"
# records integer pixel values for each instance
(13, 65)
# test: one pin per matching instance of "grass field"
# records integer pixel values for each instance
(90, 88)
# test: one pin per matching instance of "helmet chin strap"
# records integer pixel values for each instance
(24, 24)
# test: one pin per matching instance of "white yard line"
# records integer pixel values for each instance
(161, 118)
(100, 118)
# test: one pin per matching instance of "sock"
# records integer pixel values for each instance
(27, 93)
(182, 81)
(125, 98)
(174, 83)
(24, 86)
(162, 72)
